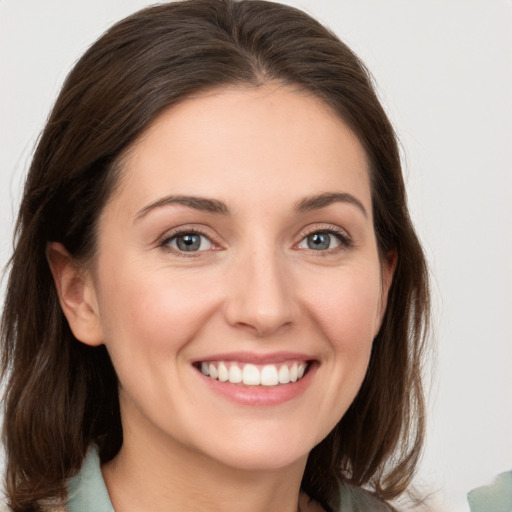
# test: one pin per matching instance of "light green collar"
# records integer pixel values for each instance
(87, 491)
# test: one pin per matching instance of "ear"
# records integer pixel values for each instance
(388, 267)
(76, 293)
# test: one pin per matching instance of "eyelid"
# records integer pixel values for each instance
(164, 240)
(346, 241)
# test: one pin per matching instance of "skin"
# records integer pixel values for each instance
(255, 286)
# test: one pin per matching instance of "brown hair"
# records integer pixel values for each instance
(61, 395)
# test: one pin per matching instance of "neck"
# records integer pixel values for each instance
(154, 473)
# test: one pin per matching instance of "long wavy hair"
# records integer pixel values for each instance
(62, 395)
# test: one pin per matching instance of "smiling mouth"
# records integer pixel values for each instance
(254, 374)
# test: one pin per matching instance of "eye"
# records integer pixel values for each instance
(188, 242)
(323, 241)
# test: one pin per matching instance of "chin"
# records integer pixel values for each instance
(263, 449)
(262, 460)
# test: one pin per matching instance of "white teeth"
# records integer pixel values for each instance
(293, 373)
(269, 376)
(284, 374)
(253, 375)
(223, 372)
(212, 370)
(235, 374)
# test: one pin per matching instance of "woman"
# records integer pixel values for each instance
(217, 300)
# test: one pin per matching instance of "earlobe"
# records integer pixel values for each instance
(388, 271)
(76, 293)
(388, 267)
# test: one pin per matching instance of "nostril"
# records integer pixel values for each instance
(263, 327)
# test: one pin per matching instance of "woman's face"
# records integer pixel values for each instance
(237, 283)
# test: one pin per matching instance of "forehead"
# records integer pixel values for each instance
(238, 143)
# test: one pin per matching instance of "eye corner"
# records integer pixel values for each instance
(325, 240)
(188, 242)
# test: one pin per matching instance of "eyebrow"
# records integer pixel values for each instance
(305, 205)
(197, 203)
(322, 200)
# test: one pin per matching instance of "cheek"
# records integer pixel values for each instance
(151, 312)
(348, 307)
(343, 315)
(347, 315)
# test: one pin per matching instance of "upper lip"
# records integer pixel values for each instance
(256, 358)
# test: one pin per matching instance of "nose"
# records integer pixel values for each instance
(261, 293)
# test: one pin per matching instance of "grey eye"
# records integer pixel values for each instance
(190, 242)
(319, 241)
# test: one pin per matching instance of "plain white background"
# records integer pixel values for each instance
(444, 73)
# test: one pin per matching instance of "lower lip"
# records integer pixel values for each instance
(261, 395)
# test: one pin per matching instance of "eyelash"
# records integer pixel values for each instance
(169, 238)
(345, 241)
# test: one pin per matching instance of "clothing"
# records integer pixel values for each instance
(354, 499)
(87, 492)
(493, 498)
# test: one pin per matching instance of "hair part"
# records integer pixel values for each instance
(61, 395)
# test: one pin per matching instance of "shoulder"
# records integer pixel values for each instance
(87, 491)
(351, 499)
(355, 499)
(493, 498)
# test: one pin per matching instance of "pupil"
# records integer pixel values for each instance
(319, 241)
(189, 242)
